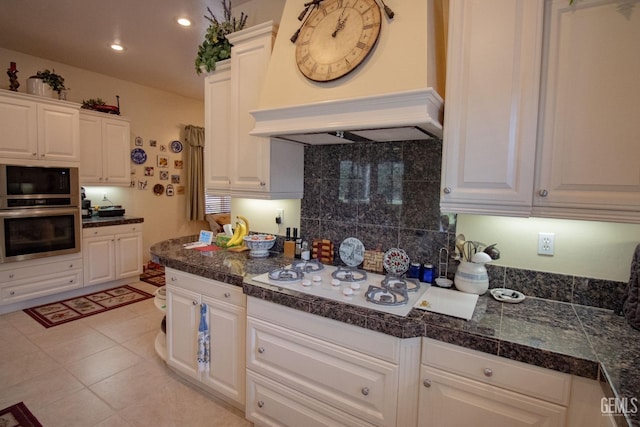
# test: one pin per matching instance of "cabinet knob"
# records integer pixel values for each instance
(262, 183)
(260, 403)
(261, 350)
(426, 383)
(365, 391)
(543, 193)
(227, 294)
(173, 278)
(34, 154)
(447, 190)
(12, 293)
(71, 281)
(42, 155)
(100, 179)
(11, 276)
(70, 265)
(194, 302)
(488, 372)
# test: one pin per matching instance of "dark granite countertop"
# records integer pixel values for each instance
(95, 221)
(579, 340)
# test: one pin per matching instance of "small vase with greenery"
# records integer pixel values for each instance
(54, 80)
(215, 46)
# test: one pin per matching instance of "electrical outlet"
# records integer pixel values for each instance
(546, 243)
(279, 216)
(104, 197)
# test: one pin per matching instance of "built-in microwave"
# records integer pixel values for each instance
(36, 186)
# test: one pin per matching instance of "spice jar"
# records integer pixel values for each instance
(427, 273)
(414, 270)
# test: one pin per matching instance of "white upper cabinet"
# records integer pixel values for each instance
(237, 163)
(105, 149)
(589, 136)
(493, 69)
(37, 128)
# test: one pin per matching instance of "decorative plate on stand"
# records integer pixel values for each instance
(396, 261)
(352, 252)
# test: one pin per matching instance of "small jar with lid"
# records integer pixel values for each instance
(427, 273)
(414, 271)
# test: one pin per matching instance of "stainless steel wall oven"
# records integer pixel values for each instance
(39, 212)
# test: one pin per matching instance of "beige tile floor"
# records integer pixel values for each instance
(101, 371)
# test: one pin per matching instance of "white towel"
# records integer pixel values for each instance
(203, 341)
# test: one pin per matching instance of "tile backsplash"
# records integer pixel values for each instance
(388, 195)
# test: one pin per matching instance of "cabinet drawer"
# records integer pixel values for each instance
(520, 377)
(111, 230)
(35, 271)
(272, 404)
(350, 381)
(45, 285)
(207, 287)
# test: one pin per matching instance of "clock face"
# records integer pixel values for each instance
(337, 37)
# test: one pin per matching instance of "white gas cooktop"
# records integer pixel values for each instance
(322, 284)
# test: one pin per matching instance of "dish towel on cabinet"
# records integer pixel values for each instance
(631, 302)
(203, 340)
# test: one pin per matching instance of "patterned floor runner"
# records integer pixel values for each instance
(18, 416)
(153, 274)
(57, 313)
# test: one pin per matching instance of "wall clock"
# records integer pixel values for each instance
(336, 37)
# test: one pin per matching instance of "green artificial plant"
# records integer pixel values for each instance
(215, 46)
(54, 80)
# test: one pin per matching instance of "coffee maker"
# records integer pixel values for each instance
(86, 204)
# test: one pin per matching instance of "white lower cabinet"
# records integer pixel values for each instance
(304, 369)
(466, 387)
(112, 253)
(40, 278)
(226, 319)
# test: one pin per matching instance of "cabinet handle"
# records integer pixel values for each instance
(447, 190)
(543, 193)
(260, 403)
(488, 372)
(227, 294)
(426, 383)
(261, 350)
(365, 391)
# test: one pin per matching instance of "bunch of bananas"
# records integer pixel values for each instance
(241, 230)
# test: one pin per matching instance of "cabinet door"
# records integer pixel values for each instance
(98, 259)
(115, 152)
(90, 146)
(183, 315)
(58, 133)
(227, 336)
(128, 253)
(250, 155)
(18, 127)
(589, 129)
(217, 98)
(490, 122)
(448, 400)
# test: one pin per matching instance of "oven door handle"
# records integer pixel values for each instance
(38, 212)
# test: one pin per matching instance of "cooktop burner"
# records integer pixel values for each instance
(349, 274)
(310, 266)
(392, 295)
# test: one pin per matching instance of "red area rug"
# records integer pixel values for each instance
(18, 416)
(153, 274)
(57, 313)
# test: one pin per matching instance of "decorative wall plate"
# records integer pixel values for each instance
(396, 261)
(352, 251)
(176, 146)
(138, 156)
(158, 189)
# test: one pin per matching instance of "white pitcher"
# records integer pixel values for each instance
(472, 278)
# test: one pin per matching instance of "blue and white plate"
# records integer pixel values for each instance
(176, 146)
(138, 156)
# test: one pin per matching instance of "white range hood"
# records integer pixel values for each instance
(392, 96)
(403, 116)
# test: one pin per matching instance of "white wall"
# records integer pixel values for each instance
(262, 214)
(583, 248)
(154, 114)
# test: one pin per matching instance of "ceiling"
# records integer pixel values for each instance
(158, 52)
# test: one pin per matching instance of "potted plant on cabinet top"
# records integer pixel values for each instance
(44, 83)
(215, 46)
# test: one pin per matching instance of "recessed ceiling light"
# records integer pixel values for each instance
(185, 22)
(117, 47)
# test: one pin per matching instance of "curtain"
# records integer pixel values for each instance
(194, 144)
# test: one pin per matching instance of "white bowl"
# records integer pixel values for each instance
(259, 244)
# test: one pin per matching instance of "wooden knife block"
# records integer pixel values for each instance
(322, 249)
